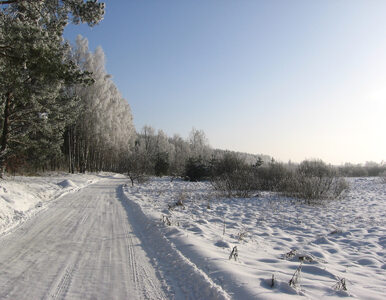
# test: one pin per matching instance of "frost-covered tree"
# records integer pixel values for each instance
(146, 144)
(34, 68)
(163, 152)
(178, 156)
(199, 144)
(103, 133)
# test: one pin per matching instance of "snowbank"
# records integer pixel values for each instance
(21, 197)
(339, 244)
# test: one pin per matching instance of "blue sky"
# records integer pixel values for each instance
(291, 79)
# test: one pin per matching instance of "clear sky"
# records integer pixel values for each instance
(291, 79)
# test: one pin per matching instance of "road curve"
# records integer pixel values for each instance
(82, 247)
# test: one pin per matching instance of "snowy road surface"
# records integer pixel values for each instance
(82, 247)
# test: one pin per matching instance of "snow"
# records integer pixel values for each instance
(21, 197)
(95, 236)
(92, 243)
(81, 247)
(336, 240)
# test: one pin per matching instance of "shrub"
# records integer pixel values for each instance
(232, 176)
(228, 164)
(239, 183)
(136, 168)
(339, 186)
(137, 177)
(353, 171)
(315, 180)
(311, 180)
(196, 169)
(383, 176)
(272, 177)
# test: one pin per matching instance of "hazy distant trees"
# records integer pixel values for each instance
(368, 169)
(163, 155)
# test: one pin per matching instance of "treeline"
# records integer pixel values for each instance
(60, 109)
(310, 180)
(372, 169)
(233, 177)
(154, 153)
(87, 127)
(100, 133)
(231, 173)
(40, 80)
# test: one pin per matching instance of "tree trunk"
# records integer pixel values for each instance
(4, 134)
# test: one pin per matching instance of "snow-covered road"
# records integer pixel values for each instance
(82, 247)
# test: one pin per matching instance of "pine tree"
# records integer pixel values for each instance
(34, 68)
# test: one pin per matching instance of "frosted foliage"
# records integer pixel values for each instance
(180, 153)
(199, 143)
(162, 143)
(106, 121)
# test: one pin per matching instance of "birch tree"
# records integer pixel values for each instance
(103, 134)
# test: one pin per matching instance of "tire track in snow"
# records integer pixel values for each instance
(185, 279)
(63, 285)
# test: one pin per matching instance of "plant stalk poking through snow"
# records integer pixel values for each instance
(295, 278)
(241, 235)
(340, 285)
(234, 253)
(290, 255)
(166, 220)
(273, 281)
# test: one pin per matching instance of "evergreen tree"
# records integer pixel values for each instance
(34, 68)
(161, 166)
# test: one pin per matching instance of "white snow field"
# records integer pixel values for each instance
(92, 244)
(341, 243)
(96, 237)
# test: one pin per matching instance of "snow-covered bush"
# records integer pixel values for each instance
(232, 176)
(227, 164)
(272, 177)
(239, 183)
(137, 167)
(313, 179)
(383, 176)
